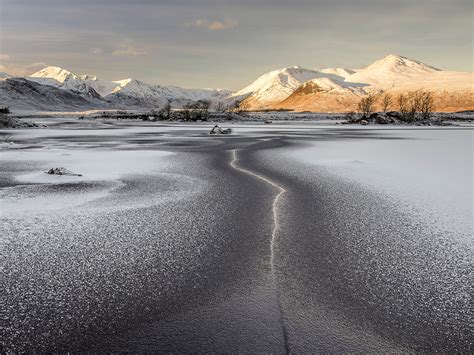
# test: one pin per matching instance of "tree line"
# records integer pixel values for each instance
(197, 110)
(412, 106)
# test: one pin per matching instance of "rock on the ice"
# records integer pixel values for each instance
(219, 130)
(61, 171)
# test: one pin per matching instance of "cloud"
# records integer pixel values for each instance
(215, 25)
(4, 56)
(22, 69)
(127, 50)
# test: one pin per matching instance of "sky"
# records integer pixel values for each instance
(228, 43)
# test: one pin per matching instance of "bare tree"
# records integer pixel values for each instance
(202, 109)
(198, 110)
(386, 102)
(167, 110)
(426, 105)
(186, 111)
(220, 107)
(415, 98)
(366, 105)
(403, 106)
(416, 105)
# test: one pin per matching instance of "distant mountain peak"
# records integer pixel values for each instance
(277, 84)
(397, 63)
(52, 72)
(394, 56)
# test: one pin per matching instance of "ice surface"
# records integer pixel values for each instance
(102, 172)
(84, 261)
(429, 171)
(93, 165)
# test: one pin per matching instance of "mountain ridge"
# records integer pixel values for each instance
(293, 88)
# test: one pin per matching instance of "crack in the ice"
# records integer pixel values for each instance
(273, 239)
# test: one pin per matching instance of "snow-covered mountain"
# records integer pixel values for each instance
(27, 95)
(53, 74)
(92, 92)
(276, 85)
(127, 91)
(339, 89)
(140, 91)
(294, 88)
(391, 69)
(63, 79)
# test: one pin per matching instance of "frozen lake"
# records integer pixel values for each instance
(290, 237)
